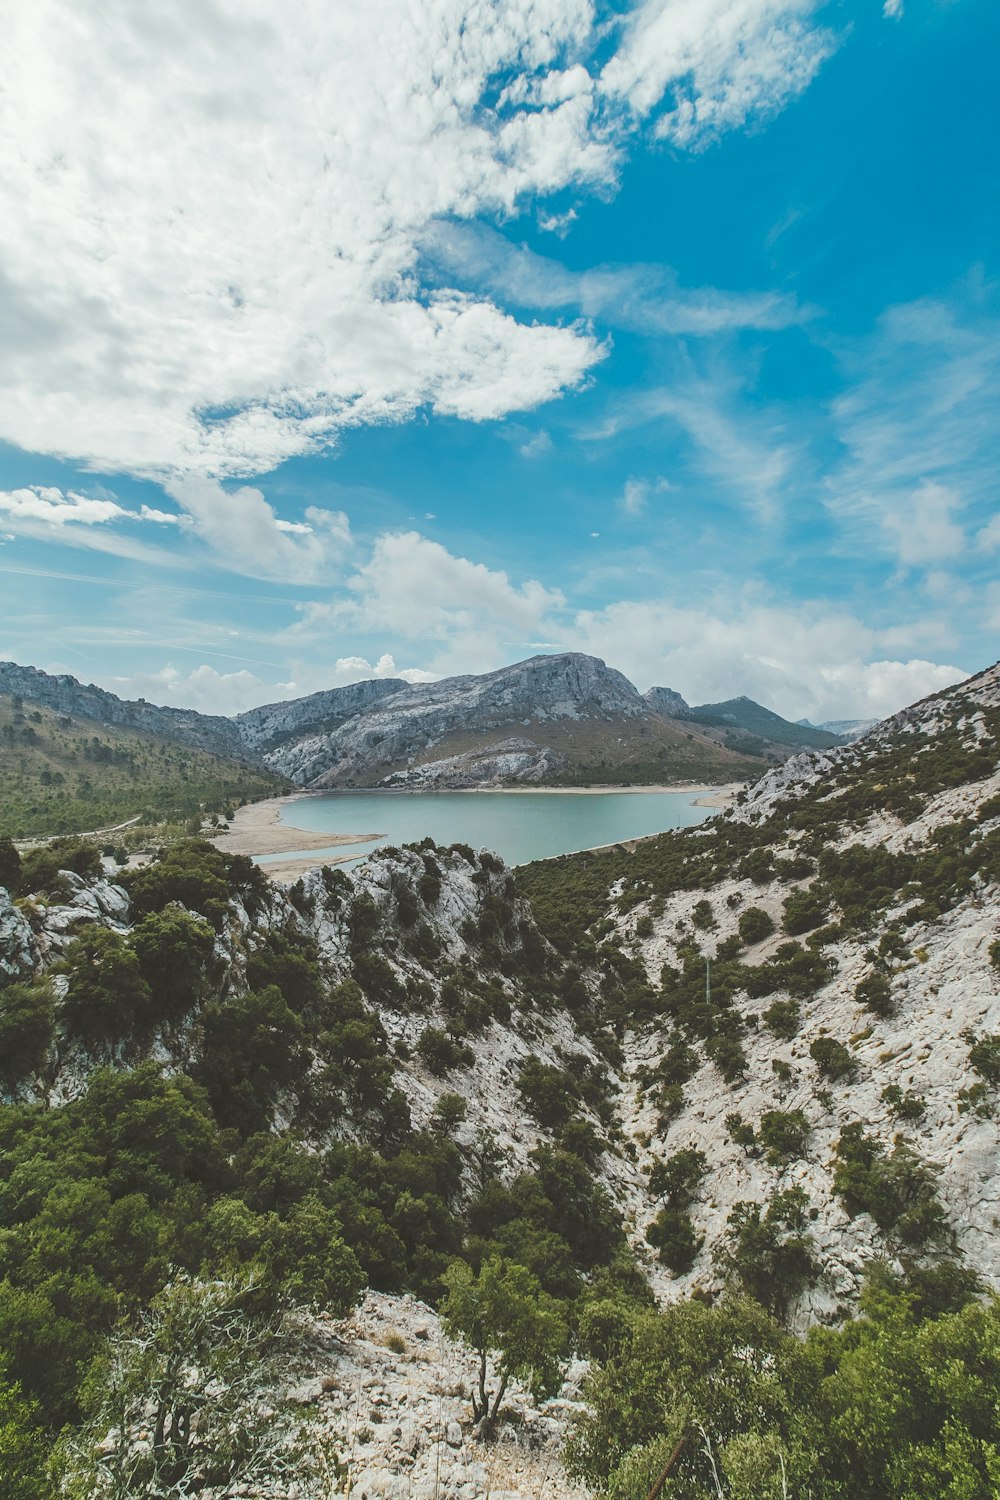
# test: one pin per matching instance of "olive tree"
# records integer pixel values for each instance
(502, 1310)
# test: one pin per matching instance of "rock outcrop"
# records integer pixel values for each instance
(65, 695)
(665, 701)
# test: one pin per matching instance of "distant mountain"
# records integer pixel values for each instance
(848, 729)
(666, 702)
(65, 695)
(743, 714)
(568, 718)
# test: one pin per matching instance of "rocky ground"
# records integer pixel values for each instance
(391, 1393)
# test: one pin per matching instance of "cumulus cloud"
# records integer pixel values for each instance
(246, 535)
(924, 530)
(802, 660)
(55, 507)
(415, 589)
(724, 62)
(210, 691)
(231, 202)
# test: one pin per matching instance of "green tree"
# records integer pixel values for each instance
(502, 1310)
(10, 865)
(26, 1026)
(107, 997)
(23, 1447)
(198, 1373)
(172, 949)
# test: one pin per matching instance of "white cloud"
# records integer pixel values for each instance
(988, 539)
(923, 529)
(56, 507)
(919, 411)
(892, 9)
(637, 493)
(644, 299)
(724, 61)
(415, 589)
(247, 536)
(231, 201)
(213, 692)
(802, 660)
(357, 669)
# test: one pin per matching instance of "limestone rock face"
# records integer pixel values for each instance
(529, 695)
(65, 695)
(275, 723)
(665, 701)
(17, 943)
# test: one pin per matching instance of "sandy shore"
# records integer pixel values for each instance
(257, 829)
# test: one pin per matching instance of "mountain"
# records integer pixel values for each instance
(851, 1011)
(741, 716)
(567, 717)
(666, 702)
(65, 695)
(847, 729)
(761, 1055)
(63, 773)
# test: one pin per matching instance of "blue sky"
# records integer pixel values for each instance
(379, 344)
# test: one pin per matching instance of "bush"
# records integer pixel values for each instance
(767, 1253)
(898, 1190)
(26, 1028)
(678, 1177)
(801, 912)
(673, 1236)
(875, 993)
(783, 1134)
(833, 1059)
(172, 949)
(783, 1018)
(702, 915)
(439, 1053)
(550, 1094)
(108, 999)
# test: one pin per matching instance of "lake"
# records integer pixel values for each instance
(520, 826)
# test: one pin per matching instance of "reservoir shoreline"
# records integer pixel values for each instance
(260, 830)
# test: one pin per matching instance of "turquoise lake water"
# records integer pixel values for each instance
(519, 826)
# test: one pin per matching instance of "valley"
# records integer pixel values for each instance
(732, 1087)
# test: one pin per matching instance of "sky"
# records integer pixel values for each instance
(342, 341)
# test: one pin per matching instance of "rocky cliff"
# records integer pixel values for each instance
(65, 695)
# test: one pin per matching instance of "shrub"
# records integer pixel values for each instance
(549, 1093)
(833, 1059)
(439, 1052)
(904, 1106)
(875, 993)
(783, 1018)
(107, 997)
(26, 1027)
(801, 912)
(767, 1252)
(702, 915)
(898, 1190)
(678, 1177)
(172, 949)
(984, 1056)
(673, 1236)
(783, 1134)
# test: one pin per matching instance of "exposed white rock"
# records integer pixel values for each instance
(392, 1394)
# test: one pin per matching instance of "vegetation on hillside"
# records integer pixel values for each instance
(70, 775)
(236, 1143)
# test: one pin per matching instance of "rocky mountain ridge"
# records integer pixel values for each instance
(562, 717)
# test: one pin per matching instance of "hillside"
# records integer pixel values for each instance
(849, 907)
(64, 774)
(745, 723)
(755, 1059)
(565, 719)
